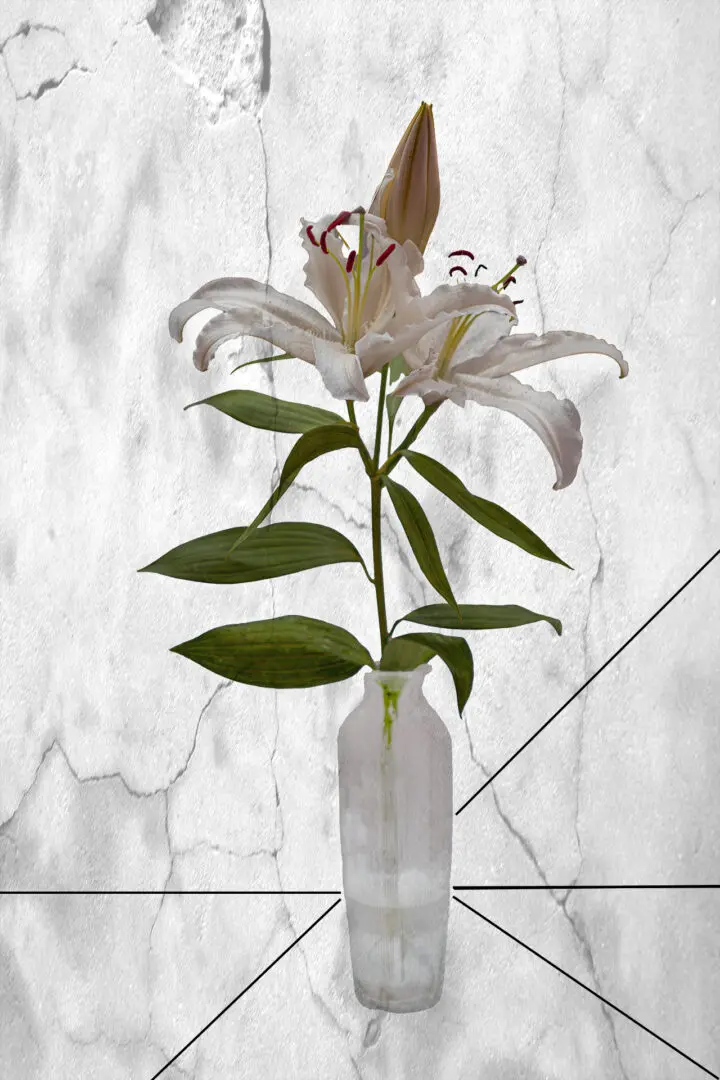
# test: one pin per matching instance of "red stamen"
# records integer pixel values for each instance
(507, 281)
(481, 266)
(516, 302)
(461, 251)
(323, 242)
(386, 253)
(350, 261)
(460, 268)
(339, 220)
(310, 234)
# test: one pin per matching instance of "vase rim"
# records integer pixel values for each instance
(377, 674)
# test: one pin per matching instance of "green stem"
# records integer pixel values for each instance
(375, 474)
(412, 434)
(376, 494)
(381, 405)
(364, 452)
(375, 491)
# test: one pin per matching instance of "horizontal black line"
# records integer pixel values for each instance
(585, 685)
(584, 987)
(572, 888)
(242, 992)
(169, 892)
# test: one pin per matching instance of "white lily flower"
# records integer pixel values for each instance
(361, 294)
(467, 357)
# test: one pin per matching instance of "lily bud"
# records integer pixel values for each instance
(408, 198)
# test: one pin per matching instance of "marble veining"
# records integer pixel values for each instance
(148, 147)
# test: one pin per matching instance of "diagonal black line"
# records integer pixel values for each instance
(248, 987)
(589, 990)
(170, 892)
(571, 888)
(586, 684)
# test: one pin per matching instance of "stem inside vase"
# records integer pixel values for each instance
(390, 700)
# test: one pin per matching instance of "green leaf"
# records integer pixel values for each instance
(273, 551)
(312, 444)
(477, 617)
(392, 404)
(486, 513)
(290, 651)
(271, 413)
(265, 360)
(420, 535)
(410, 650)
(398, 367)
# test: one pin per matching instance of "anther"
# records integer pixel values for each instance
(386, 253)
(323, 242)
(350, 261)
(461, 251)
(312, 238)
(341, 219)
(481, 266)
(359, 210)
(516, 302)
(460, 268)
(507, 281)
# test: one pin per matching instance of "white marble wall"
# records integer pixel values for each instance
(144, 151)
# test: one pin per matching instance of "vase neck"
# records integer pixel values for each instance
(403, 684)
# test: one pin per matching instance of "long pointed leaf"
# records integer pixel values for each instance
(290, 651)
(309, 446)
(420, 536)
(273, 414)
(486, 513)
(264, 360)
(477, 617)
(408, 651)
(286, 547)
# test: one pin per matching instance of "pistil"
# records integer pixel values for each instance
(520, 260)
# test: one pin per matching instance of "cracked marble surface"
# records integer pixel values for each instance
(148, 147)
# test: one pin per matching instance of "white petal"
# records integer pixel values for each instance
(422, 383)
(323, 276)
(415, 260)
(484, 332)
(376, 206)
(340, 371)
(525, 350)
(239, 295)
(451, 300)
(556, 421)
(425, 352)
(416, 316)
(251, 323)
(392, 284)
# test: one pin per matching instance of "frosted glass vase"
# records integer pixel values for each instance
(395, 788)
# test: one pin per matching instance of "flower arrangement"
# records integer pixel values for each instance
(454, 344)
